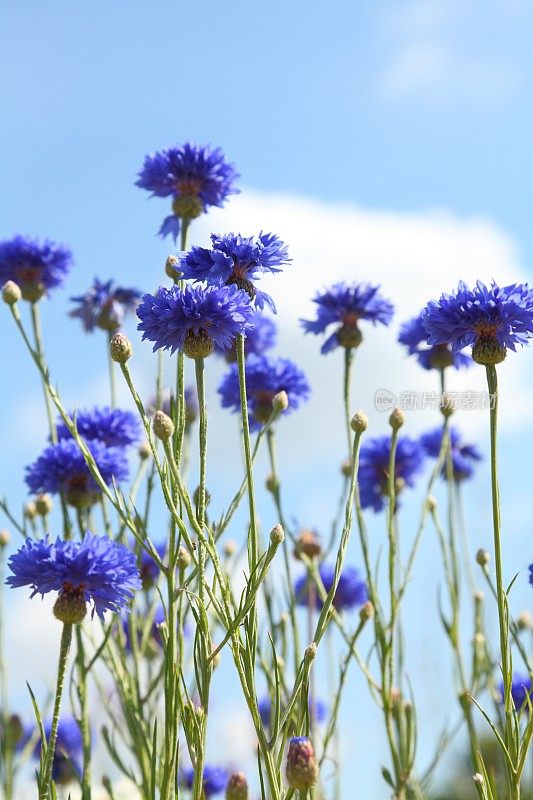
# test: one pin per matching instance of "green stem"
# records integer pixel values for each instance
(253, 542)
(45, 781)
(39, 350)
(112, 381)
(200, 387)
(6, 741)
(348, 361)
(84, 713)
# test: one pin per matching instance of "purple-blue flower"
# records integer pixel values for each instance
(489, 319)
(415, 337)
(66, 765)
(464, 456)
(521, 687)
(351, 589)
(265, 377)
(344, 305)
(373, 473)
(61, 469)
(105, 305)
(36, 267)
(214, 779)
(265, 710)
(259, 339)
(196, 177)
(194, 319)
(96, 569)
(111, 426)
(236, 259)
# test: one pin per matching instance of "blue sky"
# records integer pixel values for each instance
(386, 140)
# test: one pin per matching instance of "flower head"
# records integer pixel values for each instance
(96, 570)
(259, 339)
(111, 426)
(374, 468)
(34, 266)
(489, 319)
(265, 377)
(61, 469)
(105, 306)
(194, 319)
(344, 306)
(521, 689)
(351, 589)
(196, 177)
(214, 782)
(302, 767)
(415, 337)
(236, 259)
(464, 456)
(66, 766)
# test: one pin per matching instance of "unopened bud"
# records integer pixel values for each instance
(120, 348)
(277, 534)
(478, 779)
(482, 557)
(366, 611)
(184, 558)
(311, 651)
(144, 451)
(162, 426)
(43, 504)
(302, 767)
(171, 268)
(5, 538)
(230, 548)
(280, 402)
(447, 405)
(271, 483)
(396, 419)
(30, 512)
(359, 422)
(307, 544)
(11, 293)
(432, 504)
(237, 788)
(346, 468)
(524, 621)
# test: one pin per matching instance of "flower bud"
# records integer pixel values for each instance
(171, 268)
(478, 779)
(301, 767)
(488, 352)
(482, 557)
(198, 345)
(230, 548)
(184, 558)
(43, 504)
(237, 788)
(311, 651)
(277, 535)
(5, 538)
(271, 483)
(359, 422)
(162, 426)
(144, 451)
(70, 607)
(11, 293)
(432, 504)
(448, 405)
(524, 621)
(280, 402)
(366, 611)
(307, 544)
(346, 468)
(396, 419)
(120, 348)
(30, 512)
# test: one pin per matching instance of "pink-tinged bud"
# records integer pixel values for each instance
(307, 544)
(120, 348)
(302, 766)
(237, 788)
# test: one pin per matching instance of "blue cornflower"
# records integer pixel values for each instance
(214, 779)
(96, 570)
(344, 306)
(66, 766)
(194, 319)
(265, 710)
(373, 473)
(489, 319)
(105, 306)
(265, 377)
(521, 687)
(112, 426)
(464, 456)
(351, 589)
(36, 267)
(61, 469)
(259, 339)
(415, 337)
(236, 259)
(196, 177)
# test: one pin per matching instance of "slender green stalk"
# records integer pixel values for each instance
(111, 367)
(39, 349)
(6, 739)
(46, 777)
(253, 548)
(348, 361)
(84, 715)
